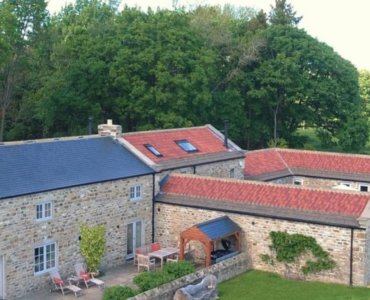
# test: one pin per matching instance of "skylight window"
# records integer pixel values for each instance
(152, 149)
(186, 146)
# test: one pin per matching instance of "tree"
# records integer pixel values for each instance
(74, 84)
(364, 84)
(283, 14)
(92, 245)
(162, 72)
(20, 22)
(301, 80)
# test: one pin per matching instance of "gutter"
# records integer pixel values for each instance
(351, 260)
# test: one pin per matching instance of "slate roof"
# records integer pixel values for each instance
(208, 141)
(54, 164)
(272, 163)
(283, 201)
(218, 228)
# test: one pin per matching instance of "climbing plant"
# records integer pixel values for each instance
(92, 245)
(289, 247)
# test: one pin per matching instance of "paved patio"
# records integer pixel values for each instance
(116, 276)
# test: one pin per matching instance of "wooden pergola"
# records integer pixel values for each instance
(209, 232)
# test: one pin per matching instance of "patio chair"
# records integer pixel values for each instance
(139, 250)
(86, 277)
(155, 247)
(145, 262)
(174, 258)
(60, 285)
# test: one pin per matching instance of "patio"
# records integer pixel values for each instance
(123, 275)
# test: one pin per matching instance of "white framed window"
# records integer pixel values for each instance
(135, 192)
(363, 187)
(43, 211)
(298, 181)
(44, 258)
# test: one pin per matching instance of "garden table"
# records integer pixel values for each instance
(163, 253)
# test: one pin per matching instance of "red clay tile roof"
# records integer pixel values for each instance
(271, 160)
(164, 141)
(267, 194)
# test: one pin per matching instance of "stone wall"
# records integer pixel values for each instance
(218, 169)
(223, 169)
(170, 220)
(318, 182)
(223, 271)
(105, 203)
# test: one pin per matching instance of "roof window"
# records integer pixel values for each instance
(152, 149)
(186, 146)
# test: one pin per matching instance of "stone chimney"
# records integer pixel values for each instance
(110, 129)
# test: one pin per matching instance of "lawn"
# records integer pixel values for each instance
(259, 285)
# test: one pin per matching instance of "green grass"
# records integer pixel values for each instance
(259, 285)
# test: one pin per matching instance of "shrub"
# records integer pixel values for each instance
(118, 293)
(92, 245)
(179, 269)
(149, 280)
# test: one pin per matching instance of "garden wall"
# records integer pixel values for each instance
(223, 271)
(255, 240)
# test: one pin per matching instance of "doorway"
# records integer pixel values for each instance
(134, 237)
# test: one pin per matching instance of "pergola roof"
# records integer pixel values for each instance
(218, 228)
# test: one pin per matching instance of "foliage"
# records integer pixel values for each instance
(283, 14)
(20, 23)
(171, 271)
(260, 285)
(298, 82)
(267, 259)
(92, 245)
(149, 280)
(118, 293)
(164, 69)
(179, 269)
(289, 247)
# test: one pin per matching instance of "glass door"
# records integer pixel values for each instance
(134, 237)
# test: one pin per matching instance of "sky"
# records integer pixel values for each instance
(342, 24)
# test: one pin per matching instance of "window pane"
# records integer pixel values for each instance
(132, 192)
(39, 259)
(47, 213)
(138, 191)
(186, 146)
(130, 246)
(364, 188)
(138, 234)
(39, 211)
(152, 149)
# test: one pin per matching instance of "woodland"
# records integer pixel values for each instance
(153, 69)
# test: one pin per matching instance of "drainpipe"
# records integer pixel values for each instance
(90, 125)
(351, 261)
(226, 133)
(153, 196)
(194, 169)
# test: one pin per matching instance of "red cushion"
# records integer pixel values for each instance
(58, 281)
(84, 275)
(155, 247)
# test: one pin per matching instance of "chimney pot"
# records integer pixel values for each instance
(109, 122)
